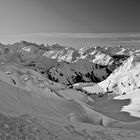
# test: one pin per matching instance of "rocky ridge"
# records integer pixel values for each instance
(67, 65)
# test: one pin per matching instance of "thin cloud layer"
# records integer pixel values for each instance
(82, 35)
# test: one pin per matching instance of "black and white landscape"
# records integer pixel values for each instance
(95, 89)
(69, 70)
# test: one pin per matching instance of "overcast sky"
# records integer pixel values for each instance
(23, 17)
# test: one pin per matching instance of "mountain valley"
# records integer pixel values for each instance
(56, 92)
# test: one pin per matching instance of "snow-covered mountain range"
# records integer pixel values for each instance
(98, 85)
(67, 65)
(100, 54)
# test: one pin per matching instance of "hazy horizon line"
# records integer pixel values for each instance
(78, 35)
(68, 39)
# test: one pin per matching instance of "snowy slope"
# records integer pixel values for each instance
(124, 79)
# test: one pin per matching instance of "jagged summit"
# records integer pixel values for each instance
(63, 64)
(66, 65)
(123, 78)
(83, 63)
(99, 54)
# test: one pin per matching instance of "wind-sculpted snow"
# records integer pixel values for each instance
(34, 95)
(25, 91)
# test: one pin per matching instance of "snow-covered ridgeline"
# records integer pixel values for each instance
(124, 79)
